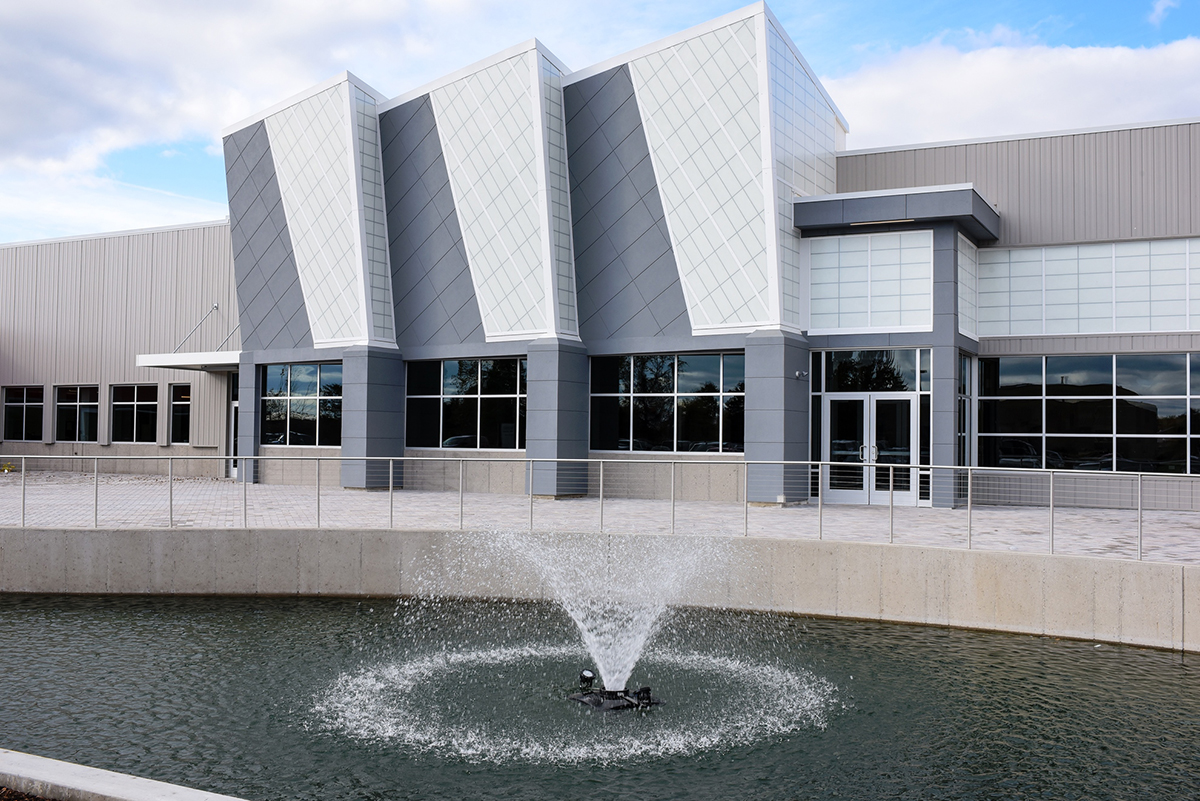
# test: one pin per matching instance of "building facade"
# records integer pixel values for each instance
(666, 255)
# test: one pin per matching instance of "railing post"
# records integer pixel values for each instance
(23, 471)
(970, 501)
(391, 492)
(531, 494)
(96, 492)
(891, 503)
(601, 492)
(461, 472)
(170, 492)
(243, 469)
(746, 499)
(1139, 491)
(672, 497)
(318, 471)
(820, 501)
(1051, 511)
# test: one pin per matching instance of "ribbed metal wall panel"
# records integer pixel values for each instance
(80, 311)
(1100, 186)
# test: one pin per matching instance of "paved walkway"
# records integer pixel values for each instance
(70, 500)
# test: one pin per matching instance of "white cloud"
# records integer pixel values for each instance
(1159, 13)
(936, 92)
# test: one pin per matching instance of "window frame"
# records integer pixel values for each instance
(320, 400)
(477, 395)
(24, 404)
(78, 405)
(136, 406)
(176, 405)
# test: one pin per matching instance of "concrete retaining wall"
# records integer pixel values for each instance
(1109, 600)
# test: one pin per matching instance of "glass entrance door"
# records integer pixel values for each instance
(869, 439)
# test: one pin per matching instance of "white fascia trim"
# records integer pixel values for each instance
(199, 360)
(906, 190)
(341, 77)
(662, 44)
(111, 234)
(470, 69)
(738, 328)
(887, 329)
(772, 19)
(344, 343)
(1132, 126)
(516, 336)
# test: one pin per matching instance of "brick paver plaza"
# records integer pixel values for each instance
(71, 500)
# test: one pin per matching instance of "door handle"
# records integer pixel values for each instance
(862, 453)
(874, 453)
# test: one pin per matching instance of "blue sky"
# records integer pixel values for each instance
(124, 102)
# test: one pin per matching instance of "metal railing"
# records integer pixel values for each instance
(1098, 513)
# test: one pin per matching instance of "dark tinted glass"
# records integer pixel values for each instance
(147, 393)
(274, 422)
(871, 371)
(521, 373)
(499, 378)
(460, 377)
(1195, 357)
(422, 421)
(1010, 417)
(120, 394)
(610, 374)
(181, 419)
(1010, 452)
(424, 378)
(925, 374)
(69, 394)
(1150, 374)
(1152, 416)
(181, 393)
(35, 394)
(331, 380)
(89, 394)
(33, 422)
(1019, 375)
(275, 380)
(654, 373)
(460, 422)
(14, 422)
(699, 372)
(699, 423)
(521, 420)
(145, 423)
(14, 395)
(304, 380)
(329, 427)
(1195, 460)
(498, 420)
(733, 424)
(926, 417)
(233, 386)
(735, 373)
(818, 363)
(610, 424)
(122, 423)
(302, 421)
(1148, 455)
(653, 424)
(1079, 453)
(67, 428)
(1079, 375)
(1079, 416)
(89, 423)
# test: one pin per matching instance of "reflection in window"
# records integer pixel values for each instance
(302, 404)
(871, 371)
(691, 402)
(465, 403)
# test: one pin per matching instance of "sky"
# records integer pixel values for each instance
(114, 110)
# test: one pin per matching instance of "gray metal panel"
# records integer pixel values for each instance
(434, 297)
(1095, 343)
(270, 297)
(79, 311)
(1094, 186)
(625, 270)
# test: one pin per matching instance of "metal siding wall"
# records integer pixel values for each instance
(80, 311)
(1090, 187)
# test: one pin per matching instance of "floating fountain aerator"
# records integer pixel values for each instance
(611, 700)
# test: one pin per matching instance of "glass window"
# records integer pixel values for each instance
(1079, 453)
(1079, 416)
(1010, 416)
(1152, 455)
(181, 412)
(302, 404)
(692, 402)
(465, 403)
(1010, 451)
(1152, 416)
(1079, 375)
(1020, 375)
(871, 371)
(1152, 374)
(23, 413)
(135, 413)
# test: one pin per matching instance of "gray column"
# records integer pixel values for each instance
(556, 420)
(249, 400)
(372, 413)
(944, 378)
(777, 398)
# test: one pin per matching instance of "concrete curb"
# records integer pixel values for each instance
(66, 781)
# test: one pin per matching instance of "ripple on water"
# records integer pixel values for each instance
(508, 704)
